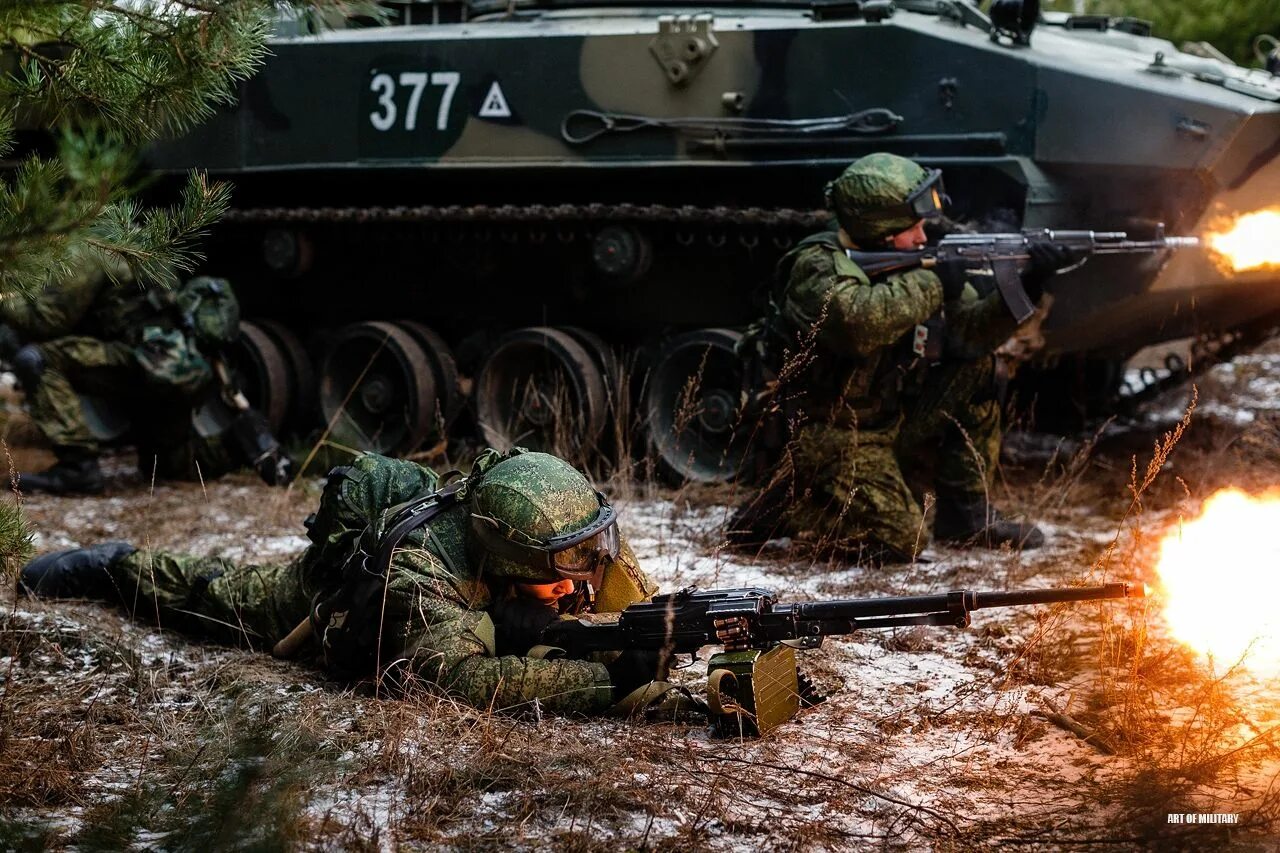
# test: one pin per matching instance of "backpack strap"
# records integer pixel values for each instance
(365, 573)
(411, 517)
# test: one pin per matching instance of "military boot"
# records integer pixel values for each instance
(968, 518)
(75, 473)
(74, 573)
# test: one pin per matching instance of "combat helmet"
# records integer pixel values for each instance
(538, 520)
(880, 195)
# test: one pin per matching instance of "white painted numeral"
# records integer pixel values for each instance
(386, 89)
(450, 80)
(384, 118)
(418, 80)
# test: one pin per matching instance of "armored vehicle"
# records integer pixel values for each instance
(541, 218)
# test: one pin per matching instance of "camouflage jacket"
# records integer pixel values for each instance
(856, 332)
(91, 302)
(435, 612)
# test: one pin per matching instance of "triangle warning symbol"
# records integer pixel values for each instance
(495, 103)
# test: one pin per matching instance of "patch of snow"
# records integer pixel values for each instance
(375, 805)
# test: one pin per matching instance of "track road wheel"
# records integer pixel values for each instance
(107, 419)
(540, 389)
(377, 390)
(444, 369)
(691, 407)
(605, 357)
(260, 367)
(302, 375)
(619, 412)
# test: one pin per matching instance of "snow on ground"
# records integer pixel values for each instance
(906, 708)
(1236, 392)
(931, 737)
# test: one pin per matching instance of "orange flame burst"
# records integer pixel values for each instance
(1221, 579)
(1249, 242)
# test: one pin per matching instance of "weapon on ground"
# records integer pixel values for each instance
(1007, 254)
(250, 433)
(753, 685)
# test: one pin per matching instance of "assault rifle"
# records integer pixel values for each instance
(1006, 255)
(754, 685)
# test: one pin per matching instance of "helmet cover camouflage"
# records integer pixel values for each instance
(530, 497)
(870, 184)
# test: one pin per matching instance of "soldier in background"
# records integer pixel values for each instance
(882, 373)
(149, 351)
(409, 578)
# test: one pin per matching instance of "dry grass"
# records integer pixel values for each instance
(112, 734)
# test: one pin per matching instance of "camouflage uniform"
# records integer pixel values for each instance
(868, 402)
(436, 619)
(97, 364)
(86, 330)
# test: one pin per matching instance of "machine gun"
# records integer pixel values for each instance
(754, 684)
(1007, 254)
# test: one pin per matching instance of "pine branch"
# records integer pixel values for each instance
(50, 204)
(159, 243)
(140, 73)
(115, 74)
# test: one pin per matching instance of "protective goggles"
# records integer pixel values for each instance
(577, 555)
(925, 202)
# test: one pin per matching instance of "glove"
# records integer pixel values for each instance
(1047, 258)
(635, 668)
(520, 623)
(276, 468)
(953, 275)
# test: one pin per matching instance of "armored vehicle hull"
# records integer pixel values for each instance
(636, 175)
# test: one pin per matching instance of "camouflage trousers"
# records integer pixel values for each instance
(211, 597)
(848, 493)
(75, 365)
(161, 424)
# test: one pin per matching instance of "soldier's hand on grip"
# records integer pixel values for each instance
(1047, 258)
(953, 275)
(520, 623)
(635, 668)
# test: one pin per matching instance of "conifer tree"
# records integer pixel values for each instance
(88, 82)
(84, 84)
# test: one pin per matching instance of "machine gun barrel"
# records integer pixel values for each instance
(830, 618)
(686, 621)
(965, 600)
(1023, 597)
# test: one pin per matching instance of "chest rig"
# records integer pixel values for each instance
(850, 390)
